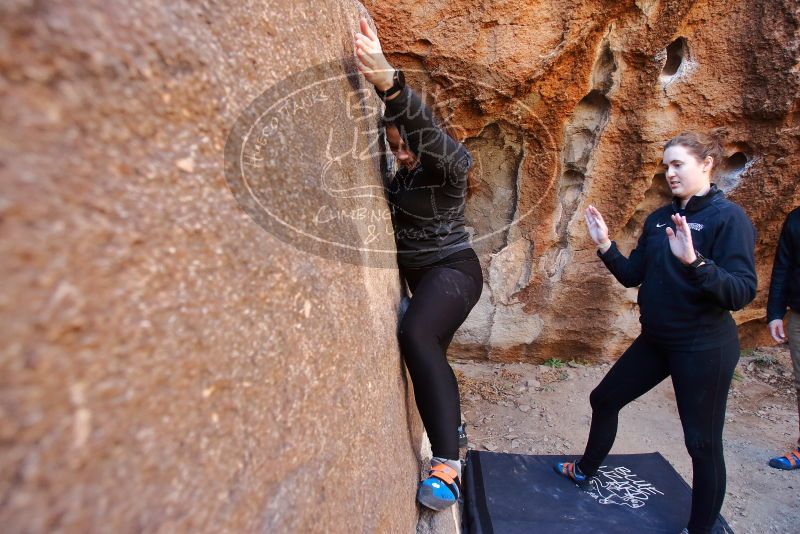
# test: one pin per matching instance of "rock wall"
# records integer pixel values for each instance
(197, 321)
(569, 103)
(170, 362)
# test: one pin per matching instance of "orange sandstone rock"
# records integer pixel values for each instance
(569, 103)
(166, 364)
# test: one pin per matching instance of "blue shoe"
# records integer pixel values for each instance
(462, 436)
(441, 489)
(787, 462)
(571, 471)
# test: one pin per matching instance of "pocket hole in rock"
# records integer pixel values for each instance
(677, 51)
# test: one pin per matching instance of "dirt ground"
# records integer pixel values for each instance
(513, 408)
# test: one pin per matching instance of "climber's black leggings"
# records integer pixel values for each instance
(442, 297)
(701, 380)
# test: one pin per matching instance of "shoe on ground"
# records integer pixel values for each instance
(787, 462)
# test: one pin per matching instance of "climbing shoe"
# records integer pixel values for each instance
(787, 462)
(462, 436)
(571, 471)
(441, 489)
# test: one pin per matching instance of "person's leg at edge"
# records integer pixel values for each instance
(791, 459)
(793, 333)
(637, 371)
(701, 380)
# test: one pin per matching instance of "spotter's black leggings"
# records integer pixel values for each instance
(701, 380)
(442, 296)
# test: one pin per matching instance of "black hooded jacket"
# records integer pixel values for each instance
(784, 288)
(681, 306)
(427, 203)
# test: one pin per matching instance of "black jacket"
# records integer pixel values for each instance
(427, 203)
(784, 288)
(688, 307)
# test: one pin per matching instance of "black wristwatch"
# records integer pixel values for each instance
(398, 82)
(700, 259)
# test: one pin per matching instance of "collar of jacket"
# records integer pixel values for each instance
(697, 203)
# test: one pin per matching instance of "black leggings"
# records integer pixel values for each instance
(701, 380)
(443, 295)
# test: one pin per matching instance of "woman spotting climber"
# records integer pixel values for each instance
(436, 259)
(693, 262)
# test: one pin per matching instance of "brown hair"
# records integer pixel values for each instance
(472, 181)
(702, 145)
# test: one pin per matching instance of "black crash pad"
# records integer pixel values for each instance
(521, 494)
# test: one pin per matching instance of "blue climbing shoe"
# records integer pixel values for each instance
(571, 471)
(787, 462)
(441, 489)
(463, 441)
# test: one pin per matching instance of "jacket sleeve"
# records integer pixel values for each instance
(628, 271)
(778, 286)
(731, 276)
(441, 155)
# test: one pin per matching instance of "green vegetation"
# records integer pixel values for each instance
(764, 360)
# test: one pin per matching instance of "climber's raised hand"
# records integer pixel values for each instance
(370, 59)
